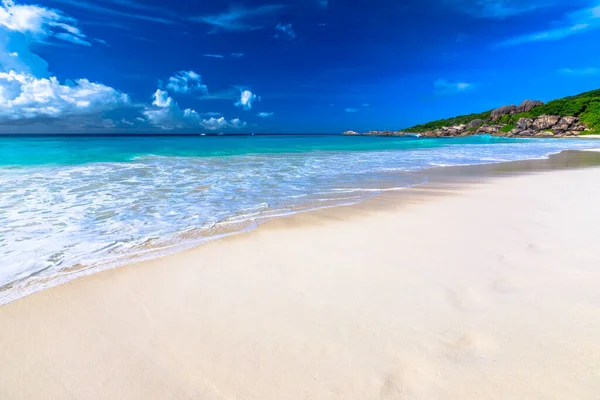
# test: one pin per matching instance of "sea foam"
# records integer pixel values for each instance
(59, 221)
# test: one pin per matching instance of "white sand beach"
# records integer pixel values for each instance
(482, 291)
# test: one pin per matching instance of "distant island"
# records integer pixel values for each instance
(566, 117)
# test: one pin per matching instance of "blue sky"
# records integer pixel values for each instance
(297, 66)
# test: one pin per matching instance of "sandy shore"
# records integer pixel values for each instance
(484, 290)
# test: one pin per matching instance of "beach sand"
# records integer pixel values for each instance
(482, 288)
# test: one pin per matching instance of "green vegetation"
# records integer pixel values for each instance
(591, 115)
(592, 132)
(586, 106)
(507, 128)
(463, 119)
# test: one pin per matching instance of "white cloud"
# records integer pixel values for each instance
(444, 87)
(214, 124)
(240, 19)
(29, 96)
(246, 100)
(366, 105)
(39, 23)
(166, 114)
(94, 8)
(265, 114)
(23, 96)
(286, 31)
(580, 71)
(580, 21)
(22, 25)
(67, 37)
(237, 55)
(236, 123)
(214, 55)
(186, 82)
(351, 110)
(162, 99)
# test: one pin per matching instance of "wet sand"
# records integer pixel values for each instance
(482, 284)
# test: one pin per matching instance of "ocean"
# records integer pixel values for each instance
(73, 205)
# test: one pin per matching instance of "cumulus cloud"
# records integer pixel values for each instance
(29, 95)
(240, 18)
(166, 114)
(31, 99)
(265, 114)
(574, 23)
(162, 99)
(285, 31)
(23, 97)
(186, 82)
(351, 110)
(246, 100)
(22, 25)
(444, 87)
(214, 124)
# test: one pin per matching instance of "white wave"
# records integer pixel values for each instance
(57, 222)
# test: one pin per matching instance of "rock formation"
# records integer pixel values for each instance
(528, 105)
(545, 122)
(498, 112)
(476, 123)
(525, 106)
(542, 126)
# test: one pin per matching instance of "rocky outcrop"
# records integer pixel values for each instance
(476, 123)
(525, 106)
(565, 123)
(524, 123)
(542, 126)
(489, 129)
(528, 105)
(548, 126)
(350, 133)
(498, 112)
(545, 122)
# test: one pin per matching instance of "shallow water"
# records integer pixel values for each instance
(73, 205)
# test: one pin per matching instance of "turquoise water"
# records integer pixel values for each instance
(74, 205)
(31, 151)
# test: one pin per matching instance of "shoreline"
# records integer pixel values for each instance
(480, 284)
(563, 159)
